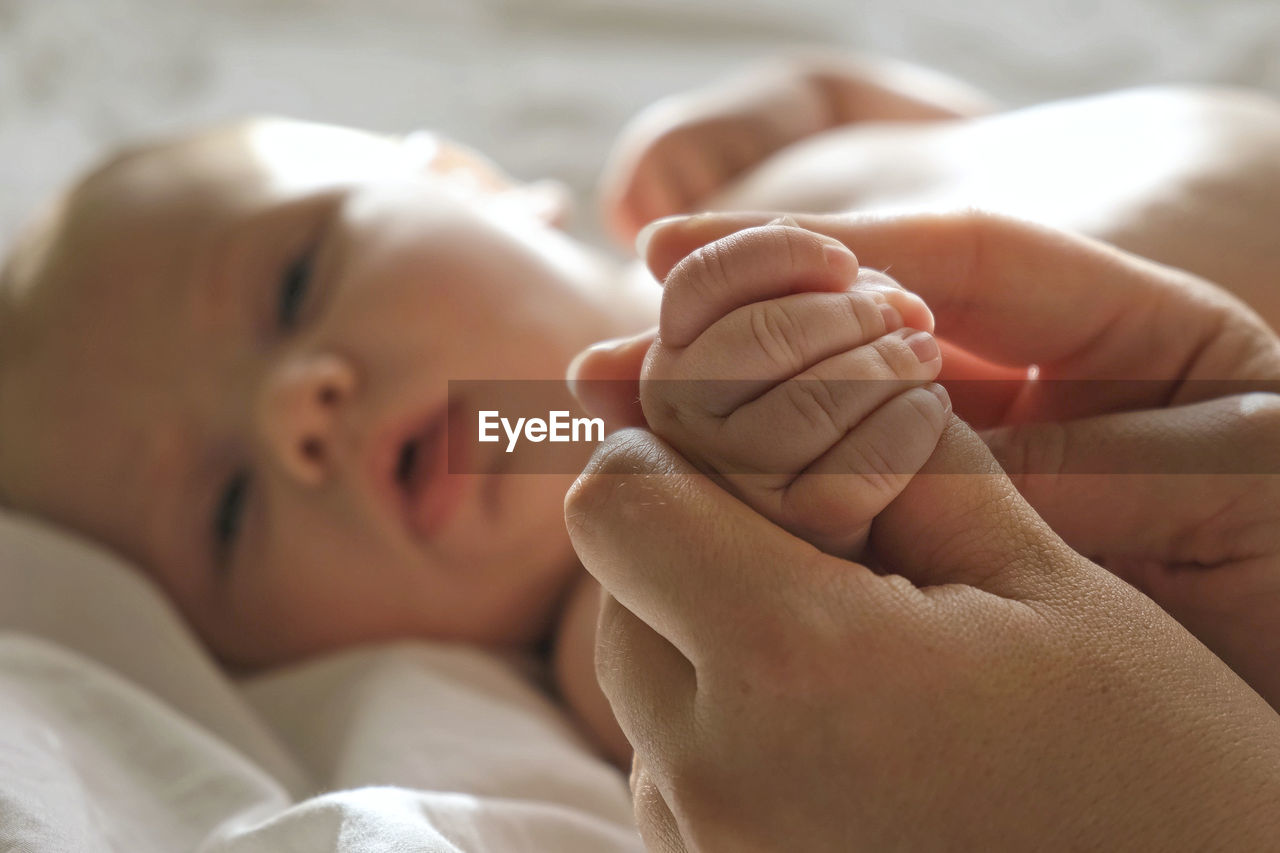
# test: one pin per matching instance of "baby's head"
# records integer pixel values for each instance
(226, 357)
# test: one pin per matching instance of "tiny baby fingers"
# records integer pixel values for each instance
(745, 267)
(832, 503)
(758, 345)
(792, 425)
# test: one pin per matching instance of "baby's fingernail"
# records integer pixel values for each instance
(784, 220)
(892, 317)
(645, 236)
(925, 346)
(942, 395)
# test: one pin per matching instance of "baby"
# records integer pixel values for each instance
(228, 356)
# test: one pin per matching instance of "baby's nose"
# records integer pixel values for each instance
(301, 413)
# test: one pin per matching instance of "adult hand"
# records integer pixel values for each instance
(1144, 441)
(1001, 692)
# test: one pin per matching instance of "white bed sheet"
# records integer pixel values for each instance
(118, 733)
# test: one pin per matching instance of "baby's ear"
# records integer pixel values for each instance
(547, 200)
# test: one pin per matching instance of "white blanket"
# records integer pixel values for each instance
(118, 733)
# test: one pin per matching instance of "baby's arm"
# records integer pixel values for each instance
(802, 383)
(679, 152)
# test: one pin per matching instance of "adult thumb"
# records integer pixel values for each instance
(962, 521)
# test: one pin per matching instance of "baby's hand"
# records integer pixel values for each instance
(677, 154)
(799, 381)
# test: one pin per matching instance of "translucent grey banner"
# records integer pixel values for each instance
(1221, 427)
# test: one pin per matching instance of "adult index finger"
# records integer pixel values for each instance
(1015, 292)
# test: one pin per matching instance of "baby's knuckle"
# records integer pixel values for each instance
(777, 334)
(861, 310)
(875, 469)
(820, 507)
(895, 356)
(817, 401)
(800, 247)
(711, 271)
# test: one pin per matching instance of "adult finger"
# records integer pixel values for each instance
(1149, 485)
(648, 683)
(1001, 288)
(605, 379)
(983, 393)
(988, 276)
(657, 825)
(693, 562)
(961, 521)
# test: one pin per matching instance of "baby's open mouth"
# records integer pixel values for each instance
(405, 466)
(430, 492)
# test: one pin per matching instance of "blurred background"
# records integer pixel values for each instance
(541, 85)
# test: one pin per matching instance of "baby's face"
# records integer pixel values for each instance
(250, 330)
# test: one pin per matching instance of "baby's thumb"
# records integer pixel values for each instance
(605, 378)
(961, 521)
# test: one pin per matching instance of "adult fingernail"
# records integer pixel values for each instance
(645, 236)
(925, 346)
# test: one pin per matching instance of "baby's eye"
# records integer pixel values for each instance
(293, 291)
(228, 515)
